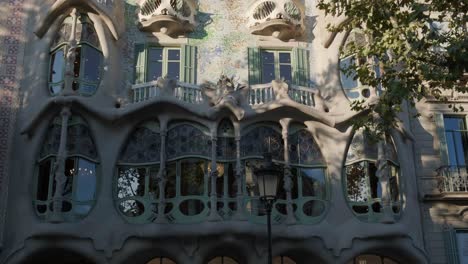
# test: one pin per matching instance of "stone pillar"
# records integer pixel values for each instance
(383, 175)
(161, 218)
(59, 168)
(214, 216)
(287, 171)
(70, 57)
(239, 179)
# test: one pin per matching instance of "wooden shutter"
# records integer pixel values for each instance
(140, 63)
(301, 69)
(189, 64)
(450, 243)
(255, 66)
(439, 121)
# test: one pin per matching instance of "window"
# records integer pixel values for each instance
(137, 192)
(453, 139)
(283, 260)
(153, 62)
(266, 65)
(80, 169)
(372, 259)
(222, 260)
(276, 65)
(87, 61)
(363, 187)
(161, 260)
(352, 87)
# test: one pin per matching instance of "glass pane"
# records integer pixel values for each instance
(393, 181)
(57, 64)
(313, 182)
(192, 177)
(55, 89)
(43, 180)
(173, 70)
(285, 57)
(161, 260)
(222, 260)
(191, 207)
(131, 182)
(268, 73)
(456, 140)
(92, 64)
(154, 71)
(170, 191)
(231, 180)
(285, 72)
(89, 35)
(356, 182)
(347, 80)
(153, 182)
(70, 172)
(375, 188)
(131, 208)
(268, 57)
(173, 54)
(86, 181)
(77, 63)
(155, 54)
(87, 89)
(283, 260)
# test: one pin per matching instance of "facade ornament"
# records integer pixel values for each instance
(166, 85)
(280, 89)
(225, 91)
(171, 17)
(383, 174)
(281, 19)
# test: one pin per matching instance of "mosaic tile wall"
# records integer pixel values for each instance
(12, 39)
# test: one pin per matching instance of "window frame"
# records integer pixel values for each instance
(276, 63)
(164, 61)
(83, 19)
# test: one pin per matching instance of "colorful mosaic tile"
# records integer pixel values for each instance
(11, 47)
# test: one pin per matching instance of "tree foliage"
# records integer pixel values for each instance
(420, 46)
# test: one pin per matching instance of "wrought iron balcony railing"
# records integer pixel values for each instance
(452, 178)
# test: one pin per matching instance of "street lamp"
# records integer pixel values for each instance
(267, 178)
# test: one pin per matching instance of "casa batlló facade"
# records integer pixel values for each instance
(131, 130)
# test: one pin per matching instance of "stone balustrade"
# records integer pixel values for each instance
(258, 94)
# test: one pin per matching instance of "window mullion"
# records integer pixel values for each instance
(277, 65)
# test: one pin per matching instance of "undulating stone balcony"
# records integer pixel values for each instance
(255, 95)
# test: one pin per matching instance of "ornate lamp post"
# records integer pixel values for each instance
(267, 178)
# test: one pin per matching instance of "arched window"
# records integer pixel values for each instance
(352, 86)
(309, 188)
(80, 170)
(226, 185)
(255, 142)
(86, 65)
(283, 260)
(372, 259)
(222, 260)
(161, 260)
(188, 159)
(363, 188)
(136, 186)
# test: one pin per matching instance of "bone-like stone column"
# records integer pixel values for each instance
(59, 168)
(70, 57)
(239, 179)
(214, 216)
(383, 175)
(287, 171)
(162, 178)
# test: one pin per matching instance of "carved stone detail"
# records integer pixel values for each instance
(225, 91)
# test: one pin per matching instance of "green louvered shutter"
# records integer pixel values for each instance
(450, 243)
(255, 66)
(439, 121)
(140, 63)
(189, 64)
(301, 69)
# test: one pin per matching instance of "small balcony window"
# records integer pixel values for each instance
(276, 65)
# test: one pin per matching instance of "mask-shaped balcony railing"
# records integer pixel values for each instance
(282, 19)
(171, 17)
(452, 179)
(257, 95)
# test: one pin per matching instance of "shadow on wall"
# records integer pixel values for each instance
(57, 256)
